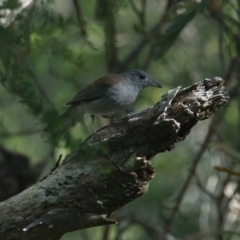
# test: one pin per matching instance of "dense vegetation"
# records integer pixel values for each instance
(51, 49)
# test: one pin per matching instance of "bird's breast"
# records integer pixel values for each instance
(113, 101)
(123, 94)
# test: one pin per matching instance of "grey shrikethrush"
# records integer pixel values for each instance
(108, 96)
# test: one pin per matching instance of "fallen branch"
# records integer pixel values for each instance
(110, 169)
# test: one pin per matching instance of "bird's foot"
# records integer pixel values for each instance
(104, 116)
(114, 119)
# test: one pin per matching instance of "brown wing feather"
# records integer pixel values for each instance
(95, 90)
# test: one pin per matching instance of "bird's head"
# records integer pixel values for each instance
(141, 79)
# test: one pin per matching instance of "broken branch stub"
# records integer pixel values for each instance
(156, 129)
(110, 169)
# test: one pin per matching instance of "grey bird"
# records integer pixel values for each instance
(108, 96)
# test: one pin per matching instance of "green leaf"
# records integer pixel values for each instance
(164, 42)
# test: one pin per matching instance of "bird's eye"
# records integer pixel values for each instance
(141, 76)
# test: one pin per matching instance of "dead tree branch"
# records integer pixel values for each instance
(110, 169)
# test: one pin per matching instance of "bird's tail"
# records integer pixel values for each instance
(68, 119)
(73, 115)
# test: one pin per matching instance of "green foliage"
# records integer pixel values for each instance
(11, 4)
(167, 40)
(50, 50)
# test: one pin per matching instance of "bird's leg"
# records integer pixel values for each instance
(111, 118)
(104, 116)
(93, 129)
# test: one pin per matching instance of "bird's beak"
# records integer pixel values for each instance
(155, 84)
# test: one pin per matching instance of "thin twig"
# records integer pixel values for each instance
(203, 235)
(35, 79)
(189, 177)
(134, 8)
(20, 133)
(199, 184)
(53, 169)
(148, 37)
(154, 230)
(215, 121)
(80, 19)
(110, 38)
(219, 203)
(140, 13)
(106, 232)
(161, 23)
(121, 228)
(227, 170)
(220, 47)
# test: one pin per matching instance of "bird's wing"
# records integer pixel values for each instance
(95, 90)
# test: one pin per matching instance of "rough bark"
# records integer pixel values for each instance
(110, 169)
